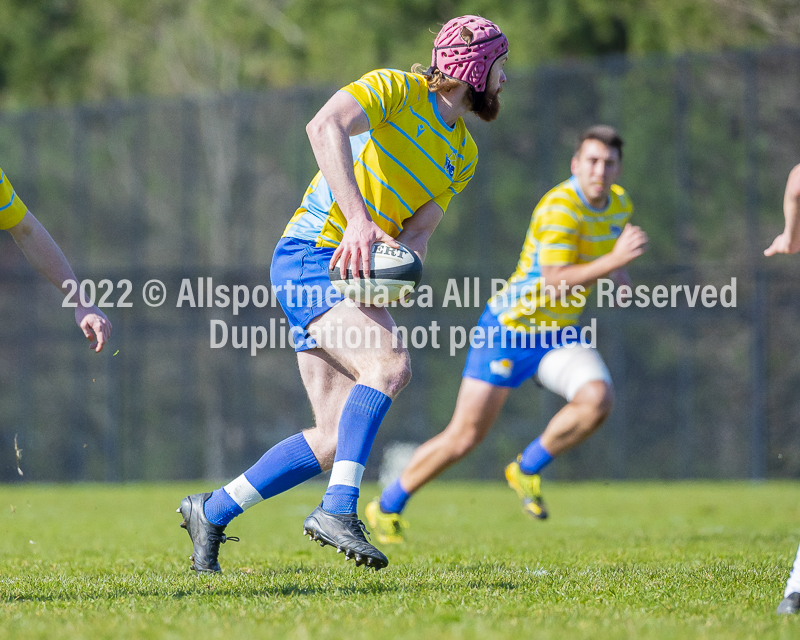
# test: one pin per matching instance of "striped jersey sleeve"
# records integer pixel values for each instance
(556, 230)
(384, 92)
(12, 209)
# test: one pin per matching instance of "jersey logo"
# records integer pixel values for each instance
(420, 130)
(502, 368)
(449, 167)
(615, 231)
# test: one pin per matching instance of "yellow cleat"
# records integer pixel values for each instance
(387, 526)
(528, 488)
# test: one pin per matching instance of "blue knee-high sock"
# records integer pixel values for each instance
(286, 465)
(361, 416)
(394, 498)
(534, 458)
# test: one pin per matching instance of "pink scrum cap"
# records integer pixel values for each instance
(466, 48)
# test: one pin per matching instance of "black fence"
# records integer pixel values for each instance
(179, 190)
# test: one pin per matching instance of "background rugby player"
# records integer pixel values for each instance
(579, 232)
(789, 242)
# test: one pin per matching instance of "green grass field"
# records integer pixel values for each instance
(688, 560)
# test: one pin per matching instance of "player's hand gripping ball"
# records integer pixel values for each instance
(394, 273)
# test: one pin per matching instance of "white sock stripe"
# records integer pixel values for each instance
(243, 493)
(346, 472)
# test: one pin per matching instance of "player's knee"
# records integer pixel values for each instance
(397, 372)
(598, 397)
(467, 443)
(463, 441)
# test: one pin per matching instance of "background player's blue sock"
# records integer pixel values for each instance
(286, 465)
(361, 416)
(394, 498)
(534, 458)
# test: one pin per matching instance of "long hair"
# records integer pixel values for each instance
(437, 81)
(485, 106)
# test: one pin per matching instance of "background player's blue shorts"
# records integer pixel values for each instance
(504, 365)
(300, 269)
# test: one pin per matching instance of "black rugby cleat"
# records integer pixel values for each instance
(346, 533)
(790, 604)
(206, 537)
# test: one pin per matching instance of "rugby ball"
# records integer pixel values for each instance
(394, 273)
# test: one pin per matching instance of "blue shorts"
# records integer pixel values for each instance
(299, 274)
(508, 360)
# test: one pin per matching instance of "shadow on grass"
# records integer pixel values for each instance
(292, 581)
(297, 580)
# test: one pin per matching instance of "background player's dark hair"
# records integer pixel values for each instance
(605, 134)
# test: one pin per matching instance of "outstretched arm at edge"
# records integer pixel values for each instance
(789, 240)
(47, 258)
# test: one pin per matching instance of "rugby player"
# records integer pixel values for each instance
(579, 232)
(47, 258)
(789, 242)
(393, 150)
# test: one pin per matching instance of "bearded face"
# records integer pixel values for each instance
(489, 107)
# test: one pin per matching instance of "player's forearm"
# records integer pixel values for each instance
(331, 145)
(791, 207)
(792, 228)
(417, 242)
(584, 275)
(419, 228)
(42, 252)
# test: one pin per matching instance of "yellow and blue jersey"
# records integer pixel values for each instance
(564, 230)
(409, 156)
(12, 210)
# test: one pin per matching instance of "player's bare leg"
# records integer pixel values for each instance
(477, 407)
(358, 340)
(373, 355)
(575, 422)
(328, 384)
(579, 418)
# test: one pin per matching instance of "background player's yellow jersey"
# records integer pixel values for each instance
(564, 230)
(12, 210)
(409, 156)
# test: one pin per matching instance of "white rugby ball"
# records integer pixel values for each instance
(394, 273)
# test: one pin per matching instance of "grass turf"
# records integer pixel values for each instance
(685, 560)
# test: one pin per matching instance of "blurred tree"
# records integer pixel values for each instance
(62, 51)
(780, 19)
(44, 48)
